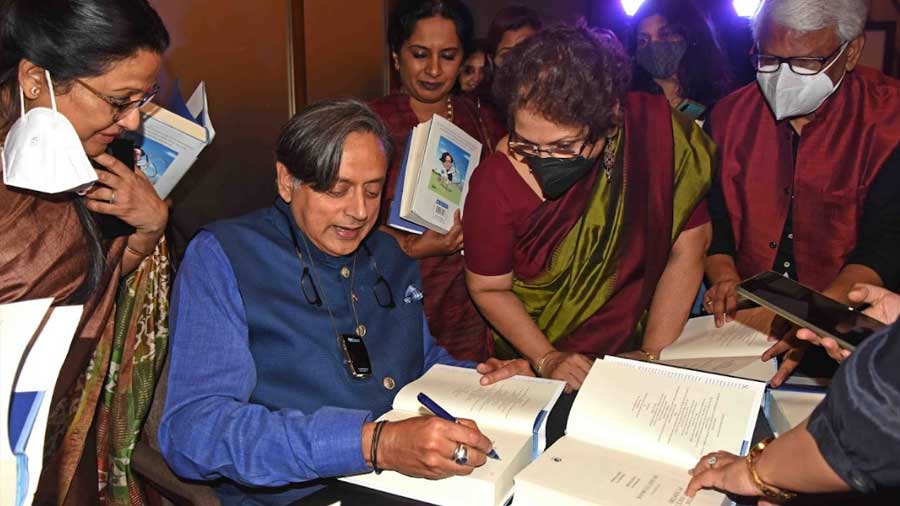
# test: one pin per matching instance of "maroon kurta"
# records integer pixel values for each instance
(43, 253)
(840, 153)
(452, 317)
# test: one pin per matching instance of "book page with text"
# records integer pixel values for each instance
(747, 335)
(751, 368)
(676, 415)
(512, 404)
(488, 485)
(576, 473)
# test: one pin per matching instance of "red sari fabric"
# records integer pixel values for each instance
(452, 317)
(840, 153)
(516, 232)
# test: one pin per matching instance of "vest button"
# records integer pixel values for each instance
(389, 383)
(345, 272)
(361, 330)
(773, 245)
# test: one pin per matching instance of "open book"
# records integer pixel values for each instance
(635, 430)
(34, 341)
(512, 414)
(434, 177)
(171, 141)
(734, 349)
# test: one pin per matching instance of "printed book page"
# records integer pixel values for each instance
(488, 485)
(747, 335)
(577, 473)
(512, 404)
(505, 412)
(751, 367)
(676, 415)
(450, 157)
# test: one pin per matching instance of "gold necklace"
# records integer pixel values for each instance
(449, 109)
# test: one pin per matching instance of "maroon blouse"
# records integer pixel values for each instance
(452, 317)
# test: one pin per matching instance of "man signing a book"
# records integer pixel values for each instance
(295, 325)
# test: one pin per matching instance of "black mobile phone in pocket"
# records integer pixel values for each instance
(111, 227)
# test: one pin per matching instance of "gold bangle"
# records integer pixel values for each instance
(540, 364)
(136, 252)
(651, 357)
(769, 491)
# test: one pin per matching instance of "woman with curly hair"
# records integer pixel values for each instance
(676, 54)
(585, 232)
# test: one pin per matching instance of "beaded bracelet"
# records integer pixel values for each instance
(376, 435)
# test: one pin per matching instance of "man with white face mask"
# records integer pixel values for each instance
(809, 181)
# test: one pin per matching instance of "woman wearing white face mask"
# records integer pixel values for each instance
(72, 76)
(809, 181)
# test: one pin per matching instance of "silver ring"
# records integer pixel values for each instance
(461, 455)
(112, 198)
(711, 461)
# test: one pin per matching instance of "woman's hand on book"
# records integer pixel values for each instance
(727, 473)
(434, 244)
(424, 446)
(570, 367)
(494, 370)
(721, 300)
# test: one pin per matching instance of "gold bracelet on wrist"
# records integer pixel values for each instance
(538, 368)
(136, 252)
(651, 357)
(768, 491)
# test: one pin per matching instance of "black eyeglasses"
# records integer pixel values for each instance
(803, 65)
(122, 107)
(308, 287)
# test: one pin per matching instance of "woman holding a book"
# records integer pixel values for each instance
(429, 40)
(586, 230)
(73, 74)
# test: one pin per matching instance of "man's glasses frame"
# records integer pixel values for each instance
(122, 107)
(801, 65)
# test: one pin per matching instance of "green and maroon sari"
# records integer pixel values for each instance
(588, 264)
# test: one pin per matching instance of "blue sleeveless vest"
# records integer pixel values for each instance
(299, 363)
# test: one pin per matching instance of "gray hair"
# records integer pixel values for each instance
(310, 145)
(848, 17)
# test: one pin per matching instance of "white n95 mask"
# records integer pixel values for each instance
(42, 151)
(790, 94)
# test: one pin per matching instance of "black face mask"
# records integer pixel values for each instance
(556, 175)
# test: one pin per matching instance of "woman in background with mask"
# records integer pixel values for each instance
(78, 70)
(676, 54)
(590, 214)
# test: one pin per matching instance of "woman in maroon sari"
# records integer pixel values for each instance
(429, 40)
(586, 231)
